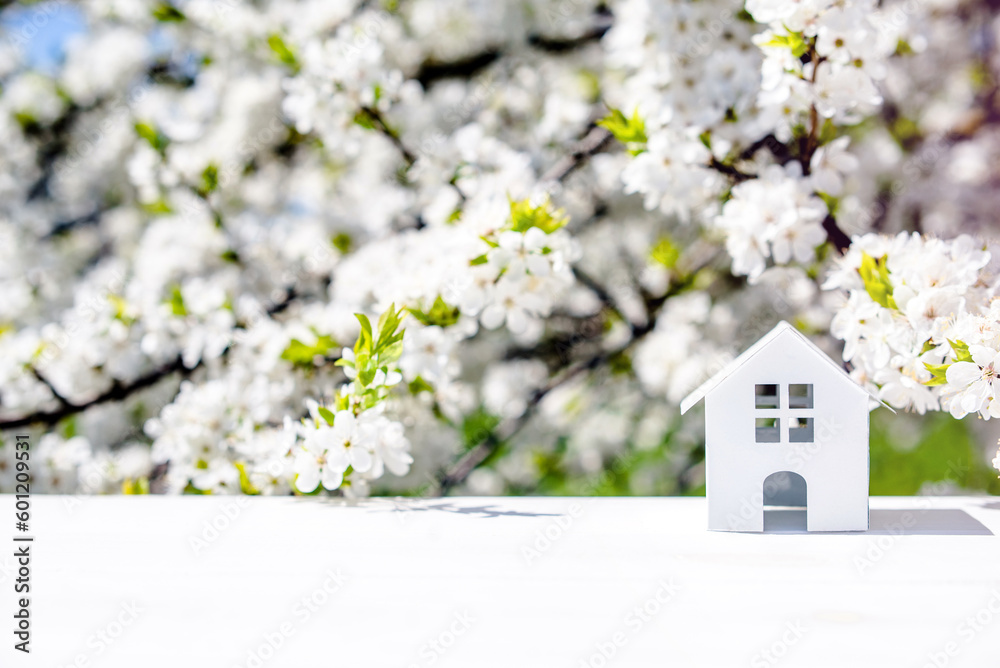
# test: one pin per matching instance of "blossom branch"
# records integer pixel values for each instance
(118, 391)
(472, 459)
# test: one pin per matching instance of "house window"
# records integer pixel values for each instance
(766, 396)
(774, 416)
(800, 430)
(800, 396)
(768, 430)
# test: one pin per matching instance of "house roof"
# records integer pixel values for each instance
(780, 329)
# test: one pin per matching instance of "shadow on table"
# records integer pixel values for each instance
(478, 510)
(901, 522)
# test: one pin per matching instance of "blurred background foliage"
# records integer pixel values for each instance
(932, 454)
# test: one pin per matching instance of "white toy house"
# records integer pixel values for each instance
(785, 425)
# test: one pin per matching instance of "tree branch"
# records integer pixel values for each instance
(777, 148)
(431, 72)
(595, 141)
(729, 170)
(375, 117)
(601, 293)
(118, 391)
(602, 24)
(47, 383)
(835, 235)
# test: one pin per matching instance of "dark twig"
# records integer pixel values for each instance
(601, 293)
(595, 141)
(432, 72)
(776, 147)
(379, 124)
(47, 383)
(835, 235)
(729, 170)
(62, 227)
(117, 392)
(556, 45)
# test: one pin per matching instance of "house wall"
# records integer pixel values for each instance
(834, 465)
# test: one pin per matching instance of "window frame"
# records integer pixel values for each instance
(786, 410)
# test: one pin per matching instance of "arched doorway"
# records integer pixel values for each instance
(785, 498)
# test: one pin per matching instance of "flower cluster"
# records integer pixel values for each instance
(523, 272)
(354, 439)
(920, 324)
(822, 57)
(775, 216)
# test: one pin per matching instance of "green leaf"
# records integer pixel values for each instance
(938, 374)
(209, 180)
(477, 426)
(832, 203)
(341, 401)
(326, 414)
(167, 13)
(665, 252)
(418, 385)
(961, 351)
(154, 137)
(176, 302)
(304, 355)
(393, 352)
(159, 207)
(476, 261)
(342, 242)
(245, 485)
(364, 118)
(282, 50)
(135, 486)
(366, 377)
(792, 41)
(903, 48)
(620, 364)
(440, 314)
(364, 343)
(905, 130)
(875, 275)
(29, 124)
(828, 132)
(629, 131)
(69, 427)
(120, 306)
(387, 324)
(524, 215)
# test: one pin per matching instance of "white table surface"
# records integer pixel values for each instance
(454, 582)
